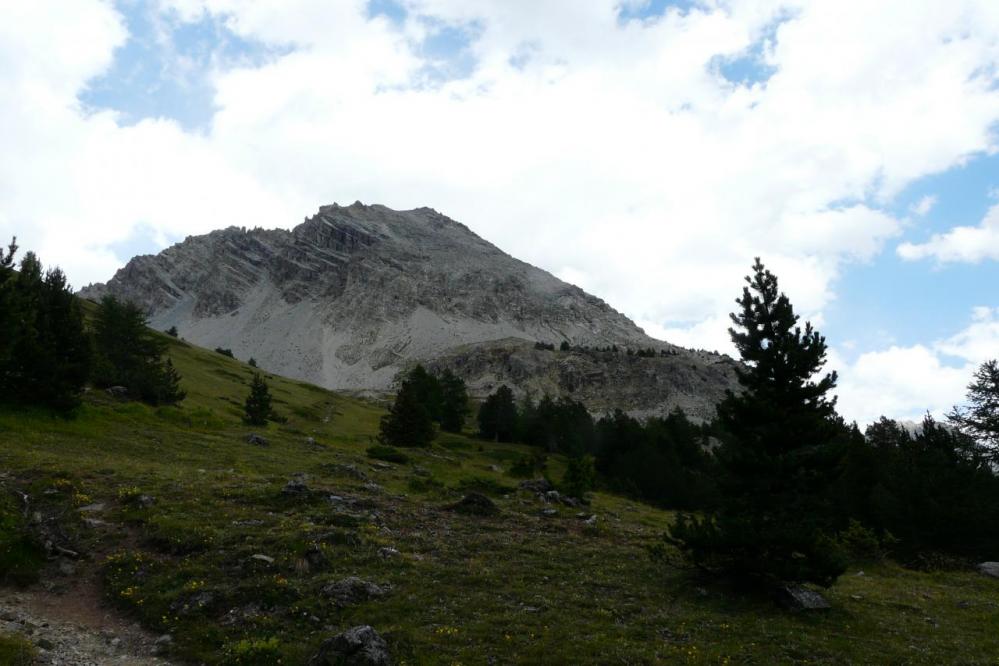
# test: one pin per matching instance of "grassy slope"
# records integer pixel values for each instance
(515, 588)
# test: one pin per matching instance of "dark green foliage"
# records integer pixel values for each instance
(778, 456)
(565, 346)
(408, 422)
(558, 426)
(498, 416)
(21, 556)
(454, 402)
(979, 420)
(663, 461)
(224, 352)
(428, 391)
(933, 490)
(530, 466)
(257, 408)
(44, 352)
(387, 453)
(545, 346)
(252, 362)
(128, 354)
(580, 476)
(172, 332)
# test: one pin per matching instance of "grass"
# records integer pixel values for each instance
(516, 588)
(15, 650)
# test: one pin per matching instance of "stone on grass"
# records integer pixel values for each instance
(388, 553)
(117, 391)
(475, 504)
(256, 440)
(295, 487)
(536, 485)
(989, 569)
(799, 598)
(353, 590)
(358, 646)
(260, 557)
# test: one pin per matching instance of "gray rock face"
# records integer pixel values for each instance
(799, 598)
(989, 569)
(358, 646)
(355, 294)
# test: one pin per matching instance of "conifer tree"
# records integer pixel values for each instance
(498, 416)
(979, 420)
(257, 407)
(779, 453)
(427, 389)
(454, 402)
(408, 422)
(129, 354)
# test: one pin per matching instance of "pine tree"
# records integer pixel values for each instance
(44, 352)
(257, 407)
(779, 454)
(427, 389)
(129, 354)
(498, 416)
(408, 422)
(454, 402)
(252, 362)
(979, 420)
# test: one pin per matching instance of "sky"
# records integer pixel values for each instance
(645, 150)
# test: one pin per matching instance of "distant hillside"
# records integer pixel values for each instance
(354, 294)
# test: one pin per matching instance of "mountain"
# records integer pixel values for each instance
(356, 293)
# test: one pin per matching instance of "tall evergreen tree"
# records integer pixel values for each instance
(408, 422)
(454, 402)
(980, 418)
(257, 408)
(44, 353)
(427, 389)
(779, 455)
(498, 416)
(129, 354)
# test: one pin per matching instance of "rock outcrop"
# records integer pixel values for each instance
(355, 294)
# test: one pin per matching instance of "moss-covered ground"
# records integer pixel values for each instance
(519, 587)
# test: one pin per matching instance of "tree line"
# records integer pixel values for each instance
(779, 487)
(48, 354)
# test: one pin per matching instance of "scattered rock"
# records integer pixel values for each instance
(989, 569)
(162, 644)
(358, 646)
(388, 553)
(256, 440)
(145, 501)
(536, 485)
(96, 507)
(475, 504)
(296, 487)
(350, 471)
(119, 392)
(799, 598)
(353, 590)
(495, 468)
(549, 513)
(372, 487)
(259, 557)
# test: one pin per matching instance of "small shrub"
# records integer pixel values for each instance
(484, 485)
(388, 454)
(530, 466)
(254, 652)
(225, 352)
(425, 485)
(21, 555)
(862, 544)
(16, 650)
(580, 476)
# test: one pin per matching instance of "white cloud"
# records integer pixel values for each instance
(906, 382)
(960, 244)
(924, 205)
(608, 150)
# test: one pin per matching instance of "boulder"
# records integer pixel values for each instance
(475, 504)
(296, 487)
(256, 440)
(799, 598)
(388, 553)
(536, 485)
(120, 392)
(358, 646)
(353, 590)
(989, 569)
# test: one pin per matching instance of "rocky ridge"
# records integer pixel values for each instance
(355, 294)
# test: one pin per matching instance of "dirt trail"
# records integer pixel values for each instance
(72, 627)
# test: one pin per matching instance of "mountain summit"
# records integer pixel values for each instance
(355, 293)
